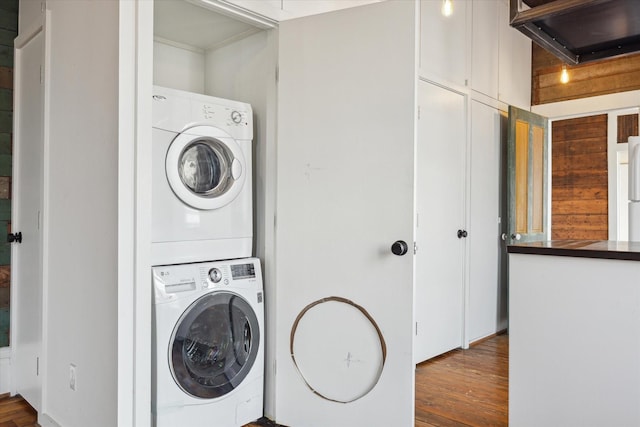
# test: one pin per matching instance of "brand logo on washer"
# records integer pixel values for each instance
(159, 97)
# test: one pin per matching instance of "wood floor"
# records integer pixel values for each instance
(460, 388)
(15, 412)
(465, 387)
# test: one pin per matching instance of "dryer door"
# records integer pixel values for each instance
(214, 345)
(205, 167)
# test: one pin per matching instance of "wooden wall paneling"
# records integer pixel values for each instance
(599, 78)
(627, 126)
(579, 182)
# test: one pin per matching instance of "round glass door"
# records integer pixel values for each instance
(214, 345)
(205, 167)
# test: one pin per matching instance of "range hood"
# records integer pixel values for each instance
(579, 31)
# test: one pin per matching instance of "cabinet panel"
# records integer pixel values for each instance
(440, 196)
(487, 298)
(484, 47)
(514, 78)
(443, 41)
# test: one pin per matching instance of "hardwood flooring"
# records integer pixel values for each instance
(465, 387)
(460, 388)
(15, 412)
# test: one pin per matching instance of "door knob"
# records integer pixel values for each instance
(462, 233)
(504, 237)
(399, 248)
(516, 236)
(14, 237)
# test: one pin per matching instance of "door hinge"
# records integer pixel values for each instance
(418, 112)
(416, 328)
(41, 74)
(277, 74)
(37, 366)
(415, 248)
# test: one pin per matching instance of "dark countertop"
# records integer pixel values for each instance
(604, 249)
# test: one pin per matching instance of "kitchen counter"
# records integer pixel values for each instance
(604, 249)
(574, 334)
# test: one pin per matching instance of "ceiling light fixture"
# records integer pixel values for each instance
(564, 75)
(447, 7)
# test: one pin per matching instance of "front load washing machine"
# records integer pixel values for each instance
(202, 186)
(208, 350)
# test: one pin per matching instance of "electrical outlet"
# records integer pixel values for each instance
(73, 377)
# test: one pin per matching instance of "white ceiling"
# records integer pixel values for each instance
(187, 24)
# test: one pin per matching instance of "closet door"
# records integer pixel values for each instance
(26, 268)
(440, 231)
(487, 292)
(346, 135)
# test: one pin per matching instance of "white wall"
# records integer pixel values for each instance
(81, 266)
(178, 67)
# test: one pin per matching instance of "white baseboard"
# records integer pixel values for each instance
(46, 421)
(5, 370)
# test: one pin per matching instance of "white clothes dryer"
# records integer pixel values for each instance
(208, 347)
(202, 178)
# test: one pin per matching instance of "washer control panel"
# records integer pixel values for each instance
(215, 275)
(175, 279)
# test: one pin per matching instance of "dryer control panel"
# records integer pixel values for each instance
(175, 110)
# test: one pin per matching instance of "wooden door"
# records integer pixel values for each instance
(440, 205)
(528, 178)
(26, 257)
(345, 188)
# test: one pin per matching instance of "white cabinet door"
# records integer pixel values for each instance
(514, 78)
(443, 42)
(484, 47)
(487, 295)
(440, 203)
(346, 135)
(26, 268)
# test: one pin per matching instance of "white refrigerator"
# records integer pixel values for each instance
(634, 188)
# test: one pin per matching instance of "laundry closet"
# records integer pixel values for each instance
(345, 87)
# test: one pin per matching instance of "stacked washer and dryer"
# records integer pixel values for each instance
(208, 350)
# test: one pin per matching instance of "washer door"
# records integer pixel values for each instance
(205, 167)
(214, 345)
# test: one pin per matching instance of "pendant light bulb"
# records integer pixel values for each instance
(564, 75)
(447, 7)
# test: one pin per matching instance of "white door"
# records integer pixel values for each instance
(346, 134)
(487, 312)
(440, 231)
(26, 257)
